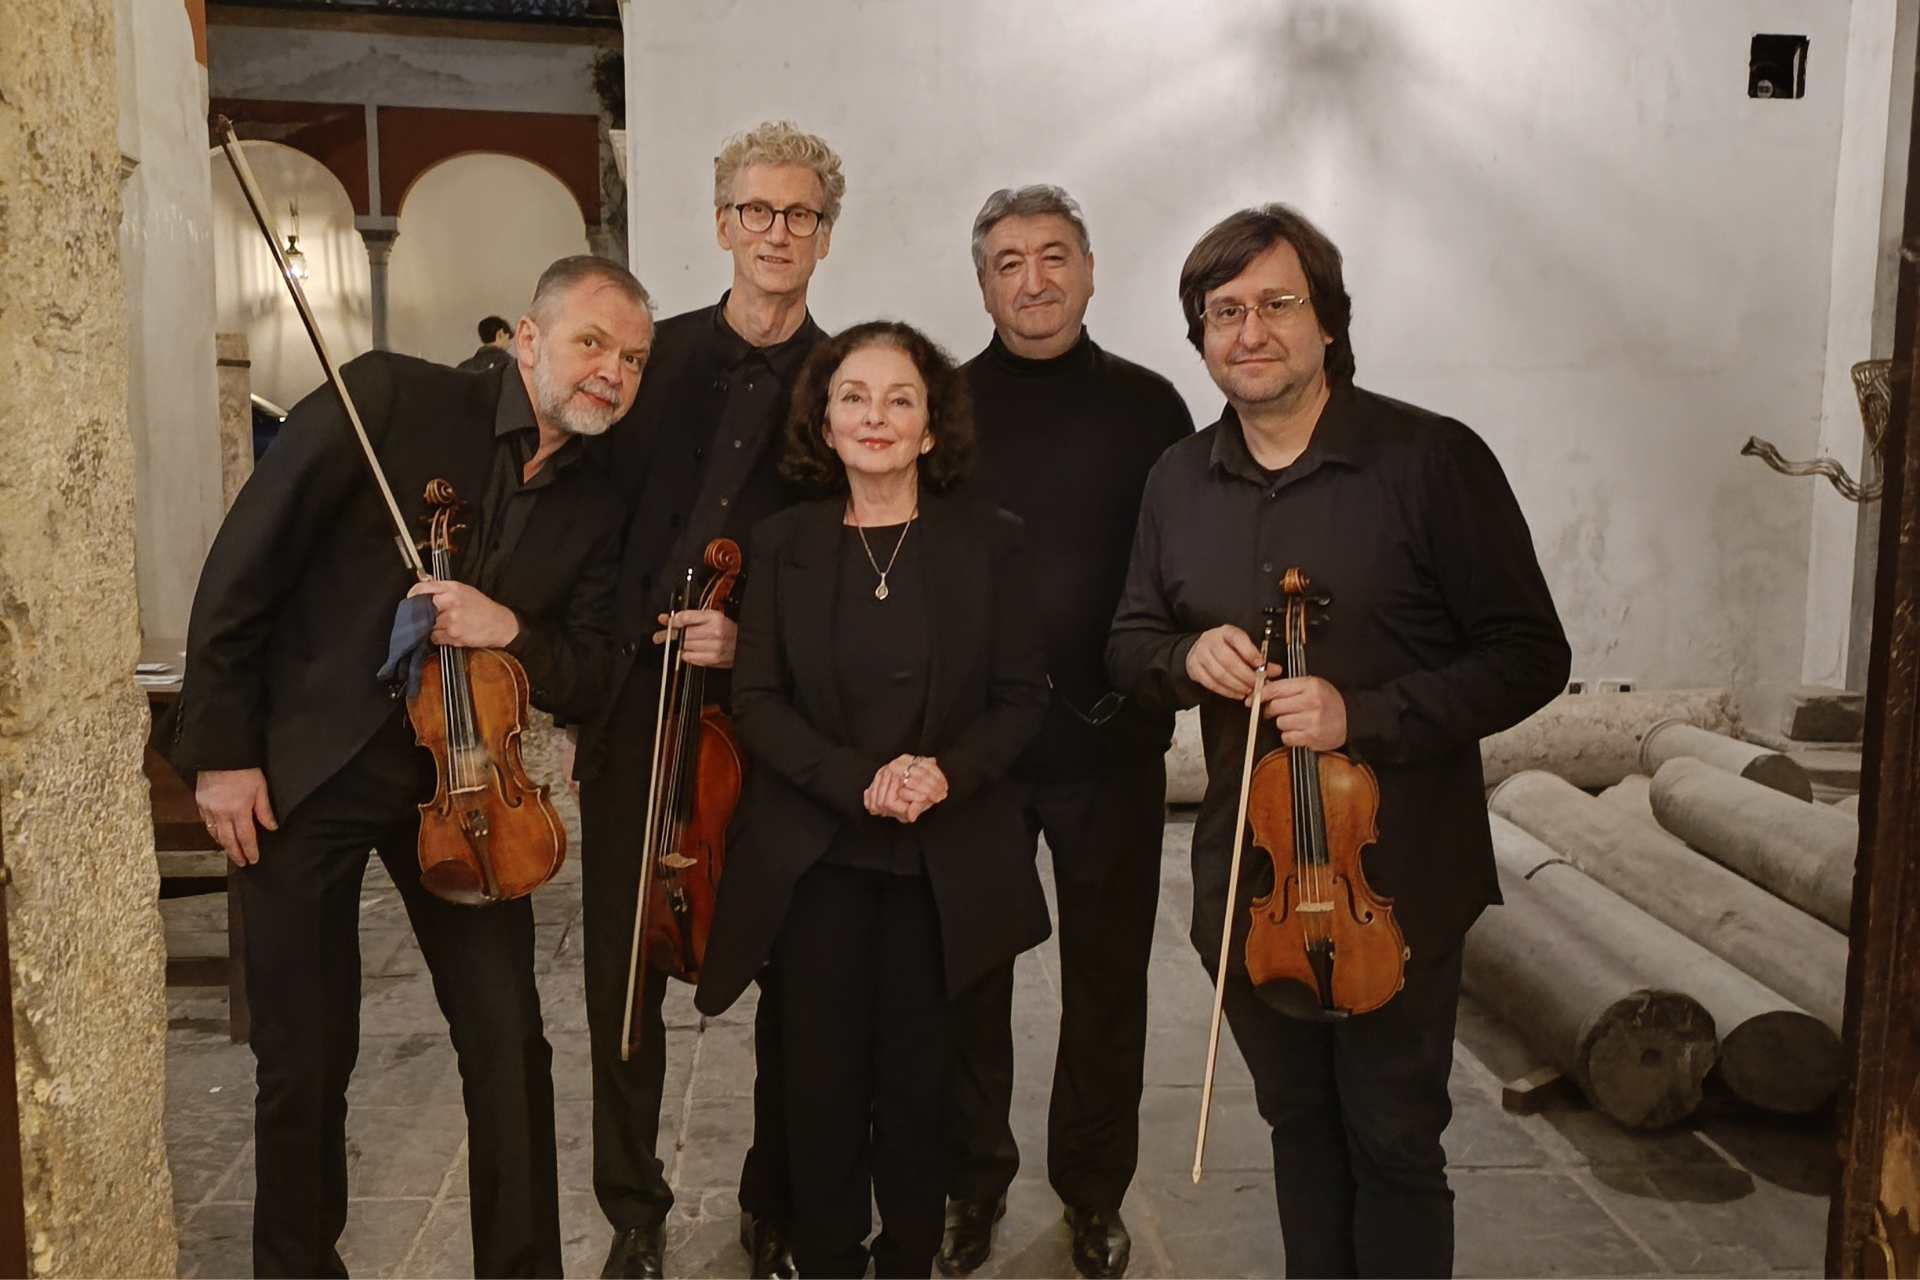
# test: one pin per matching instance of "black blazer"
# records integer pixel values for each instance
(986, 698)
(291, 619)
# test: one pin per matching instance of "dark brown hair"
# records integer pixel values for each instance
(808, 459)
(1234, 242)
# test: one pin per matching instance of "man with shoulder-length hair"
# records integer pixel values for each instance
(696, 459)
(1440, 631)
(304, 761)
(1067, 433)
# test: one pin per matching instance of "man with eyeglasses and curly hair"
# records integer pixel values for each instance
(695, 459)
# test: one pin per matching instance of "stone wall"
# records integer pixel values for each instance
(89, 1010)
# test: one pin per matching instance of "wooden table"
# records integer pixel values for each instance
(191, 862)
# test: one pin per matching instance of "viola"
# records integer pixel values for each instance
(692, 790)
(489, 834)
(1322, 928)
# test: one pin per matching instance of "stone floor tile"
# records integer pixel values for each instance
(381, 1233)
(584, 1236)
(1515, 1223)
(410, 1070)
(201, 1152)
(217, 1240)
(1694, 1224)
(725, 1065)
(403, 1151)
(443, 1244)
(573, 1122)
(1226, 1226)
(1237, 1139)
(709, 1148)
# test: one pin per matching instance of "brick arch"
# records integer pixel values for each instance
(413, 140)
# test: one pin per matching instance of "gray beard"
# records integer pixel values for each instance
(555, 402)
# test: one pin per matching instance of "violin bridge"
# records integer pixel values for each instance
(1314, 906)
(677, 861)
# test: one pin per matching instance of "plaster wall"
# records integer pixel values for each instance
(399, 71)
(87, 958)
(475, 234)
(1565, 224)
(166, 251)
(1868, 191)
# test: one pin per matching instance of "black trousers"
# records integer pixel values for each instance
(867, 1047)
(1357, 1109)
(1104, 834)
(302, 902)
(629, 1179)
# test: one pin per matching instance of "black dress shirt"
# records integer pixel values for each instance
(1440, 631)
(882, 653)
(697, 457)
(1066, 445)
(508, 501)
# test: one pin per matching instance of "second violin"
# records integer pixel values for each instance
(692, 790)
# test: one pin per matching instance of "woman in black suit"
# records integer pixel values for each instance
(888, 672)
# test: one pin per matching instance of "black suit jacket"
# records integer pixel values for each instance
(296, 601)
(986, 697)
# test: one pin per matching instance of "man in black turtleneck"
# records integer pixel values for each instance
(1067, 434)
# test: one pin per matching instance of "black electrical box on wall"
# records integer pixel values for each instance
(1777, 67)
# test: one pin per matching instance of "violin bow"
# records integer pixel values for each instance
(230, 145)
(650, 841)
(1233, 893)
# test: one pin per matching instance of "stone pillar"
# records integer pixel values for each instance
(379, 234)
(88, 958)
(236, 414)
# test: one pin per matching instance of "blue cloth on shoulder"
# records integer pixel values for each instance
(408, 646)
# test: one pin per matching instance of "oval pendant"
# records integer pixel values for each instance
(880, 592)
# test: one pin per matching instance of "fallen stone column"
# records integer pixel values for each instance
(1773, 1053)
(1757, 933)
(1593, 739)
(1672, 739)
(1629, 795)
(1800, 851)
(1638, 1054)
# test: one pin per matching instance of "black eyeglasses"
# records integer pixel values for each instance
(758, 216)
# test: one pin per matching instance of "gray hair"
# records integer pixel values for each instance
(1033, 201)
(778, 142)
(563, 275)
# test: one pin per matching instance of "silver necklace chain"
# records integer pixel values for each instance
(880, 592)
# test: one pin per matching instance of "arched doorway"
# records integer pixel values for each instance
(251, 298)
(475, 233)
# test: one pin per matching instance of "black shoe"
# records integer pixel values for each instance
(636, 1254)
(969, 1238)
(769, 1251)
(1101, 1245)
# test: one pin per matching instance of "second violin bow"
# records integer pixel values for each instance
(1233, 893)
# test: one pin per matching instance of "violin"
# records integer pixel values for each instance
(693, 787)
(1322, 928)
(489, 833)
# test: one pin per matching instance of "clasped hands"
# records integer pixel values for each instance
(905, 787)
(1307, 710)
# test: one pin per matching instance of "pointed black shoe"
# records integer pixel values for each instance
(769, 1251)
(1101, 1245)
(636, 1254)
(969, 1238)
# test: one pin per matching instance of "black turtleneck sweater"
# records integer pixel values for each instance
(1066, 444)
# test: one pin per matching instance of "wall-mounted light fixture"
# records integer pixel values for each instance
(296, 260)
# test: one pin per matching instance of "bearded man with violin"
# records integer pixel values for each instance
(1432, 627)
(696, 461)
(304, 760)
